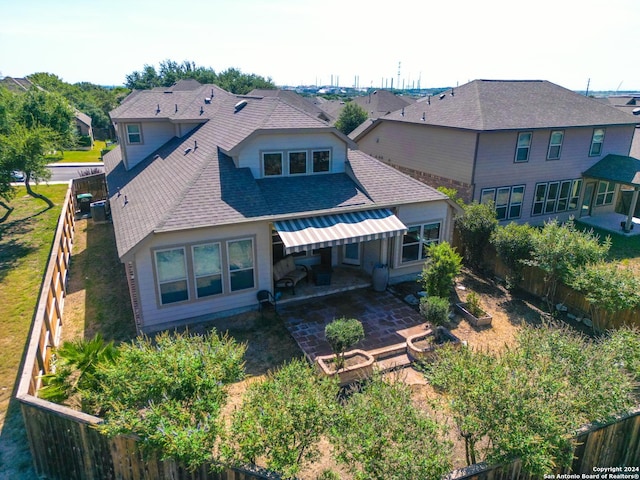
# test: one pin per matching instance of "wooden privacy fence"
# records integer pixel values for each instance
(65, 445)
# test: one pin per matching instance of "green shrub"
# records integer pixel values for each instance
(440, 269)
(84, 141)
(513, 244)
(472, 304)
(475, 226)
(435, 310)
(342, 334)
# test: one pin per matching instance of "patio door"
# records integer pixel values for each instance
(587, 199)
(351, 254)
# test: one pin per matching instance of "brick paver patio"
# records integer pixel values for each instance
(386, 319)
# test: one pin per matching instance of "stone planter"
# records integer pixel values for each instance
(481, 321)
(358, 365)
(424, 345)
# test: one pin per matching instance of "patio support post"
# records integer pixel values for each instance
(632, 209)
(384, 251)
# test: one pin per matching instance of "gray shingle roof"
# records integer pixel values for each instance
(172, 190)
(617, 168)
(510, 104)
(294, 99)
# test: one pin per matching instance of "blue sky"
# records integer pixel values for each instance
(296, 42)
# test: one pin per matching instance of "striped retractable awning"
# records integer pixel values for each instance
(339, 229)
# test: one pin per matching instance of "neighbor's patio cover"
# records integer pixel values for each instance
(339, 229)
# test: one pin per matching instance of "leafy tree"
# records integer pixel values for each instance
(513, 244)
(379, 434)
(234, 81)
(350, 118)
(342, 334)
(559, 249)
(283, 418)
(608, 288)
(435, 310)
(475, 226)
(440, 269)
(169, 392)
(452, 193)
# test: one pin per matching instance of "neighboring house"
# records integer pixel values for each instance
(209, 190)
(525, 145)
(377, 103)
(82, 120)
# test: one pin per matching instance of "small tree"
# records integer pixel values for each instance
(283, 417)
(559, 249)
(607, 287)
(352, 116)
(513, 244)
(379, 434)
(442, 266)
(342, 334)
(475, 226)
(435, 310)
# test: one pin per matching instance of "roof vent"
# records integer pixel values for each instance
(442, 95)
(176, 108)
(187, 150)
(239, 106)
(636, 111)
(424, 116)
(452, 92)
(201, 109)
(402, 113)
(207, 100)
(158, 109)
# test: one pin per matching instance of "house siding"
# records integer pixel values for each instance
(157, 317)
(443, 152)
(250, 155)
(495, 165)
(154, 135)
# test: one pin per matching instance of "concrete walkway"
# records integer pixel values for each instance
(386, 319)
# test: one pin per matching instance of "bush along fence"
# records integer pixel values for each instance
(65, 445)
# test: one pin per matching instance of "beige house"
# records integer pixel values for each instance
(209, 190)
(523, 145)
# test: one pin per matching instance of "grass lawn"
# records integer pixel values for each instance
(25, 243)
(625, 250)
(73, 156)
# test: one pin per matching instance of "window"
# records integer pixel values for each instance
(272, 164)
(321, 161)
(556, 197)
(207, 269)
(555, 145)
(507, 200)
(134, 133)
(605, 193)
(524, 144)
(416, 239)
(172, 275)
(297, 163)
(596, 142)
(240, 255)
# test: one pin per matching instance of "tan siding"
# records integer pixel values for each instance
(444, 152)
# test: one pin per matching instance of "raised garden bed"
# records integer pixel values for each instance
(482, 320)
(424, 345)
(358, 364)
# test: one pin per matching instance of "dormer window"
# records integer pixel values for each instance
(134, 133)
(297, 163)
(272, 164)
(321, 161)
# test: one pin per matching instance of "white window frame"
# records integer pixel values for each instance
(160, 282)
(523, 147)
(605, 193)
(422, 242)
(555, 146)
(571, 198)
(282, 163)
(129, 134)
(320, 150)
(196, 276)
(252, 268)
(492, 194)
(306, 162)
(593, 151)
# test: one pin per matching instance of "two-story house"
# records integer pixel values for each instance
(527, 146)
(209, 190)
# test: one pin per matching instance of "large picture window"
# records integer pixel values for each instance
(272, 164)
(523, 147)
(172, 275)
(605, 193)
(555, 145)
(207, 269)
(417, 239)
(556, 197)
(596, 142)
(134, 133)
(241, 265)
(507, 200)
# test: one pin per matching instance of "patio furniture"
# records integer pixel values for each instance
(287, 274)
(266, 300)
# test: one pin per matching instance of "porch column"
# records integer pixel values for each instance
(632, 209)
(384, 251)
